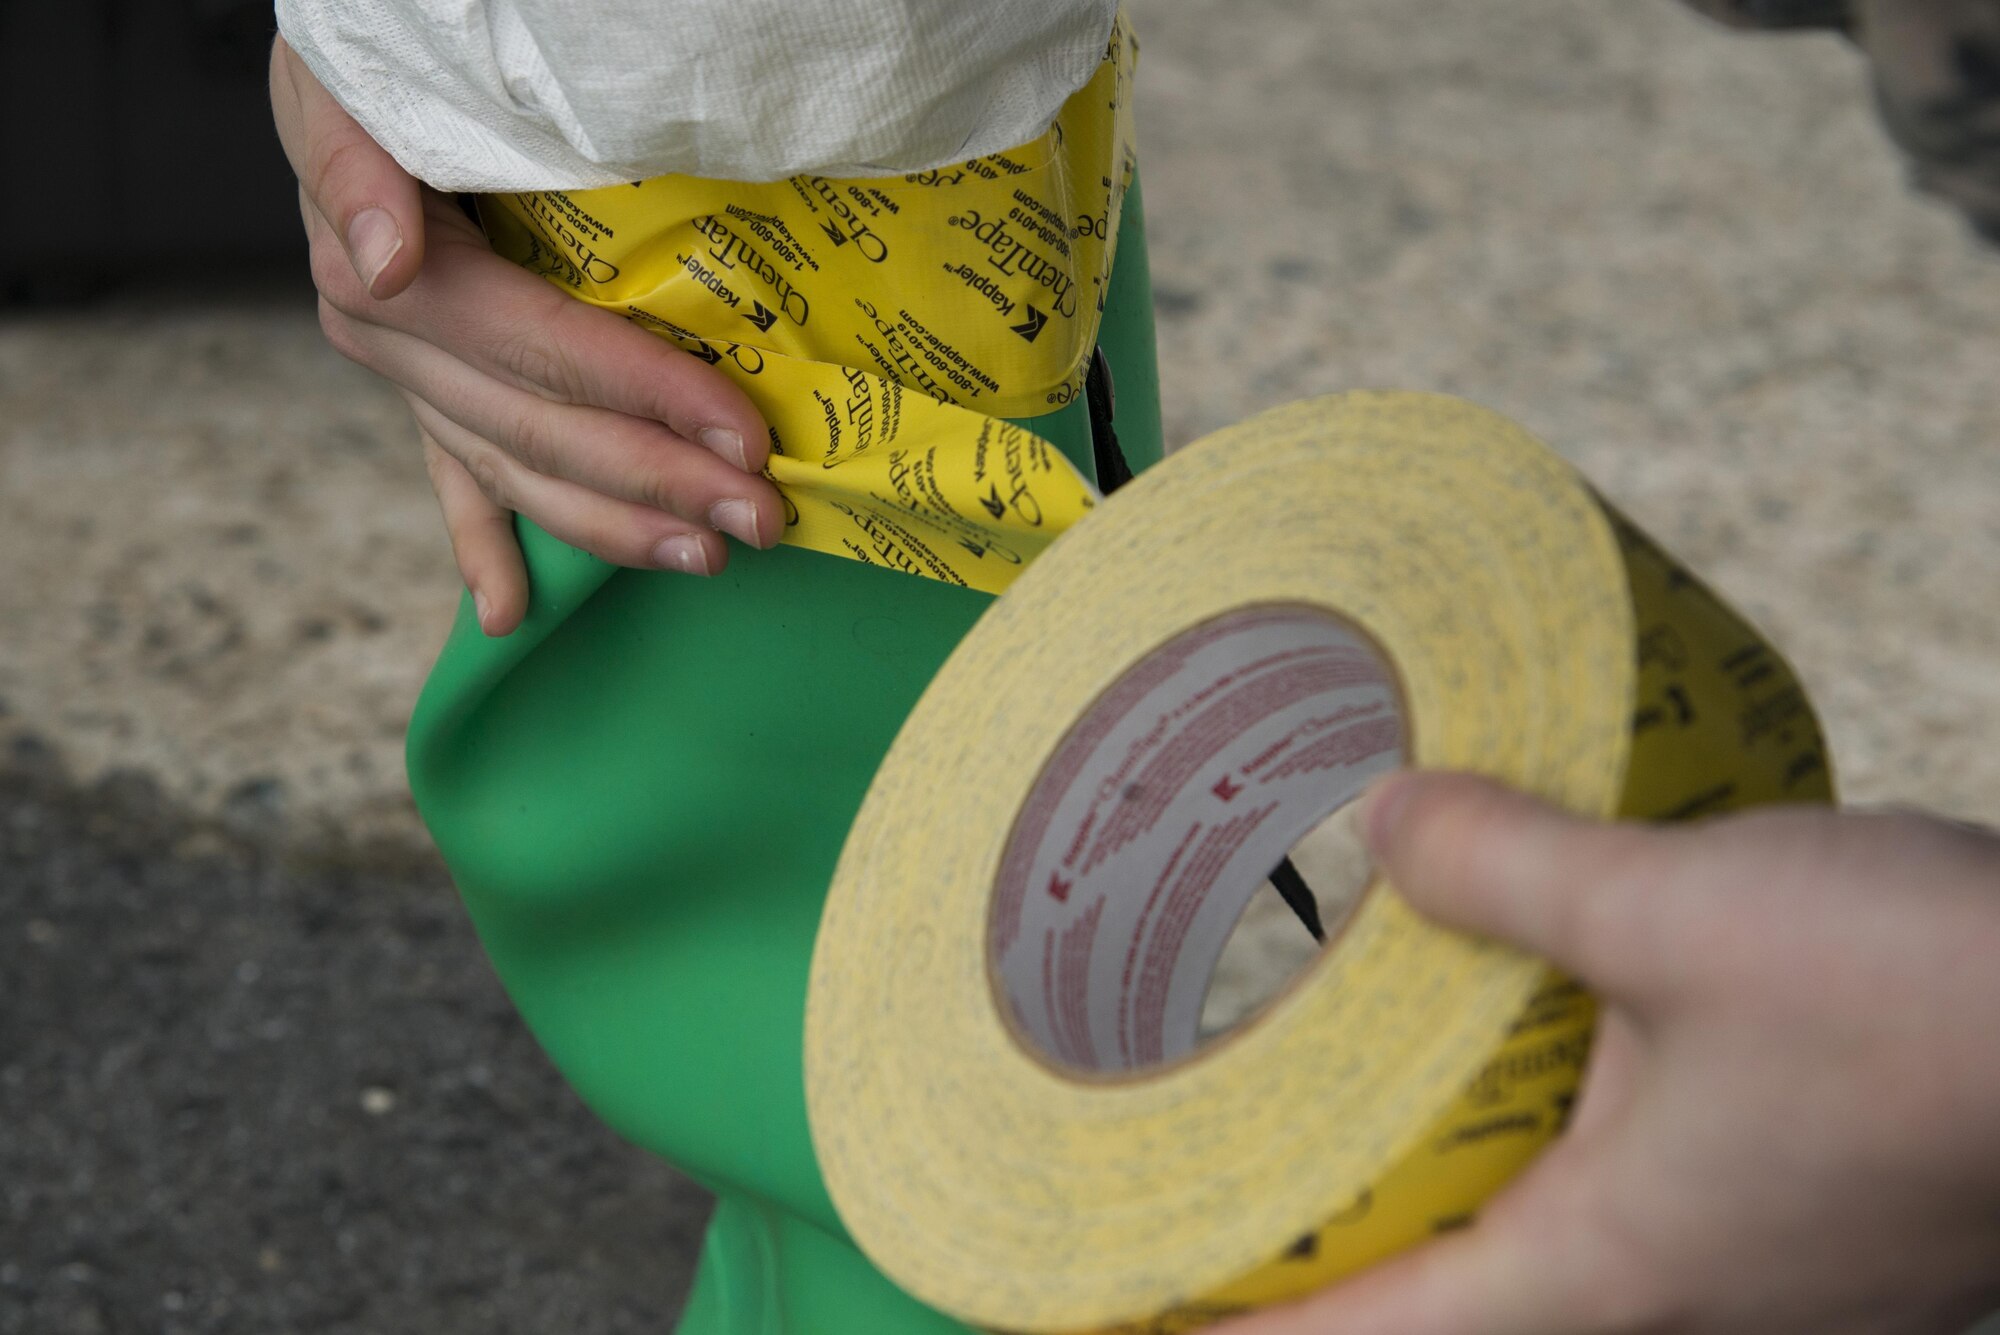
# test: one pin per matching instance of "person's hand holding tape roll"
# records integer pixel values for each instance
(611, 439)
(1787, 1123)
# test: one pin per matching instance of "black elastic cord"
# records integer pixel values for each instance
(1292, 888)
(1113, 472)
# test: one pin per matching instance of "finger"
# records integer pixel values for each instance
(482, 542)
(1487, 1280)
(611, 530)
(1488, 860)
(494, 315)
(372, 204)
(618, 456)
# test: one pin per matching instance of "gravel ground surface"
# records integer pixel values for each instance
(245, 1094)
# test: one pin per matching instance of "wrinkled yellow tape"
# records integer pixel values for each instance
(883, 327)
(1536, 636)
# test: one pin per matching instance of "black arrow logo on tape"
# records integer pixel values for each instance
(833, 234)
(994, 505)
(706, 353)
(972, 546)
(1031, 326)
(763, 317)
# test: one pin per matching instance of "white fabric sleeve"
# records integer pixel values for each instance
(550, 94)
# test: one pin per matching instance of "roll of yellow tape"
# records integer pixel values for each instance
(1008, 1091)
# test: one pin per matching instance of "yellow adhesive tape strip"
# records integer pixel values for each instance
(1007, 1085)
(881, 326)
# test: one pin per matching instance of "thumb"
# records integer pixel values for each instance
(1487, 860)
(369, 201)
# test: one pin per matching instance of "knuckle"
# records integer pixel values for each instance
(476, 541)
(337, 165)
(332, 272)
(340, 333)
(530, 440)
(1605, 920)
(660, 489)
(438, 465)
(489, 474)
(1589, 925)
(631, 548)
(541, 363)
(1450, 830)
(602, 534)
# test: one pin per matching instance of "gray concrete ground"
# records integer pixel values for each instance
(1685, 258)
(224, 566)
(239, 1093)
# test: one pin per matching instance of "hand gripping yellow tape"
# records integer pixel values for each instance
(1001, 1037)
(883, 327)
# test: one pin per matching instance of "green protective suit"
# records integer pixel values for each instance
(642, 793)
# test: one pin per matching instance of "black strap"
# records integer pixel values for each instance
(1292, 888)
(1113, 472)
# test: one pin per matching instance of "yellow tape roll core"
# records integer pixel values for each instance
(1001, 1166)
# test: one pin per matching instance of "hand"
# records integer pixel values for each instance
(1791, 1118)
(528, 401)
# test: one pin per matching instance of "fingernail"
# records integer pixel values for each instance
(373, 239)
(483, 610)
(684, 553)
(1381, 808)
(737, 518)
(727, 443)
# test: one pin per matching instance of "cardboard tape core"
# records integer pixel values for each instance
(1161, 814)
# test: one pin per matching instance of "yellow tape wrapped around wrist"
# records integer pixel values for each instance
(1008, 1091)
(882, 326)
